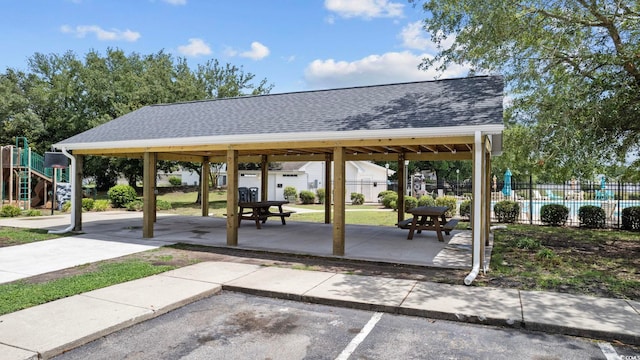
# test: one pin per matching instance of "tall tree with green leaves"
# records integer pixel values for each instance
(62, 95)
(572, 70)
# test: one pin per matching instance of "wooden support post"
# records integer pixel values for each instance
(339, 202)
(204, 187)
(149, 196)
(487, 198)
(327, 189)
(77, 179)
(402, 186)
(232, 197)
(264, 180)
(484, 230)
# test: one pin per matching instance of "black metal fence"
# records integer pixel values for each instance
(612, 197)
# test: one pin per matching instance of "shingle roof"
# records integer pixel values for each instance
(426, 104)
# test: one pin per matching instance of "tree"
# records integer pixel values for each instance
(572, 69)
(61, 95)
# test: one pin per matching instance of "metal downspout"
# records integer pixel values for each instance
(477, 206)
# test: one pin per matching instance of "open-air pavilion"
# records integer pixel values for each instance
(455, 119)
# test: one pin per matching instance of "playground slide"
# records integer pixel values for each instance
(38, 194)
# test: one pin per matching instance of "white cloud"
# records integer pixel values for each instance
(230, 52)
(392, 67)
(415, 37)
(257, 52)
(364, 8)
(176, 2)
(196, 47)
(101, 34)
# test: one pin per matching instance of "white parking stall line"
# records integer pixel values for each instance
(344, 355)
(608, 351)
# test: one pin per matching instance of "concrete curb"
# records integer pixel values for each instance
(390, 309)
(629, 339)
(50, 329)
(53, 328)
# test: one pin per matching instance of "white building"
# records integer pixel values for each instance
(362, 177)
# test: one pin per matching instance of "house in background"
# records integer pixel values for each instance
(362, 177)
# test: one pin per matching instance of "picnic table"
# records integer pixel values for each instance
(428, 218)
(259, 211)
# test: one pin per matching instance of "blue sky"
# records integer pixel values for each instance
(295, 44)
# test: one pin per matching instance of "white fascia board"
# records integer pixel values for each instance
(287, 137)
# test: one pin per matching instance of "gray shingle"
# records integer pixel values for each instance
(453, 102)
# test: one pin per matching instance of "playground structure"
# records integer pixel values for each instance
(25, 182)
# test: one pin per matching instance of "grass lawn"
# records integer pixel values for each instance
(581, 261)
(13, 236)
(20, 295)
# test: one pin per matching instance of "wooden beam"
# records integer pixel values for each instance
(487, 200)
(286, 158)
(339, 201)
(327, 189)
(232, 197)
(402, 185)
(264, 181)
(180, 157)
(439, 156)
(204, 187)
(148, 195)
(266, 145)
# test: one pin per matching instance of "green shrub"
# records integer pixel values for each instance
(87, 204)
(388, 198)
(290, 193)
(320, 193)
(120, 195)
(426, 200)
(506, 211)
(592, 217)
(10, 211)
(307, 197)
(449, 201)
(33, 212)
(631, 218)
(163, 205)
(135, 205)
(357, 198)
(410, 202)
(384, 193)
(554, 214)
(100, 205)
(393, 204)
(66, 206)
(465, 209)
(175, 181)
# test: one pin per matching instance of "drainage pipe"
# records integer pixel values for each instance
(72, 172)
(477, 205)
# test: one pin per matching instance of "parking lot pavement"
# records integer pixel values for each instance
(240, 326)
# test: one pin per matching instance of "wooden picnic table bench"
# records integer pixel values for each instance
(259, 211)
(428, 218)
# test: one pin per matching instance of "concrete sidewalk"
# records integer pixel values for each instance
(50, 329)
